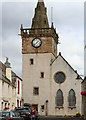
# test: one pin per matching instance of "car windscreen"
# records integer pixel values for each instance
(5, 114)
(17, 114)
(24, 110)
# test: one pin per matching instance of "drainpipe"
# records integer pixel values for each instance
(46, 107)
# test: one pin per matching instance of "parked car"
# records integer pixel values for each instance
(10, 115)
(24, 112)
(0, 115)
(29, 106)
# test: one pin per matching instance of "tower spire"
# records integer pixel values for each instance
(40, 1)
(40, 17)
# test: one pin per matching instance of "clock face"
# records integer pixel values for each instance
(36, 42)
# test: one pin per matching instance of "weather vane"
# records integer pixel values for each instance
(51, 15)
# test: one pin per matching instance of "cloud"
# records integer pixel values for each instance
(68, 19)
(72, 48)
(44, 1)
(67, 14)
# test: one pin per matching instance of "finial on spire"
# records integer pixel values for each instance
(51, 16)
(40, 1)
(21, 27)
(52, 26)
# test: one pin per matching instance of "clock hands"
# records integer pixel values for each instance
(36, 43)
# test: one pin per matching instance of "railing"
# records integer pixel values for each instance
(39, 32)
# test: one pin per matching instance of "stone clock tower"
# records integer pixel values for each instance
(45, 74)
(39, 48)
(40, 38)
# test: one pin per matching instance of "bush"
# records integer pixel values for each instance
(78, 114)
(65, 115)
(72, 116)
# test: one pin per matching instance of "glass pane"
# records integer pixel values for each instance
(5, 114)
(59, 98)
(59, 77)
(71, 98)
(36, 91)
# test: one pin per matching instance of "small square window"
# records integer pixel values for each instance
(45, 21)
(31, 61)
(42, 107)
(42, 74)
(35, 91)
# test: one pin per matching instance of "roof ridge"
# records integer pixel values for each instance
(67, 63)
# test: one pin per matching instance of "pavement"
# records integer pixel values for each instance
(59, 118)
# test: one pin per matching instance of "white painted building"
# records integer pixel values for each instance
(50, 84)
(8, 87)
(19, 91)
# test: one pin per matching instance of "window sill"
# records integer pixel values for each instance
(59, 107)
(36, 95)
(71, 107)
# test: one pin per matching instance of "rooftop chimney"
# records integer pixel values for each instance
(8, 69)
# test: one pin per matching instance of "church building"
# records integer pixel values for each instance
(50, 84)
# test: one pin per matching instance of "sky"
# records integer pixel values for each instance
(68, 19)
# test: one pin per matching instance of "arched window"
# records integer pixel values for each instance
(72, 99)
(59, 98)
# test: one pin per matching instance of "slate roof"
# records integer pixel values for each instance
(3, 75)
